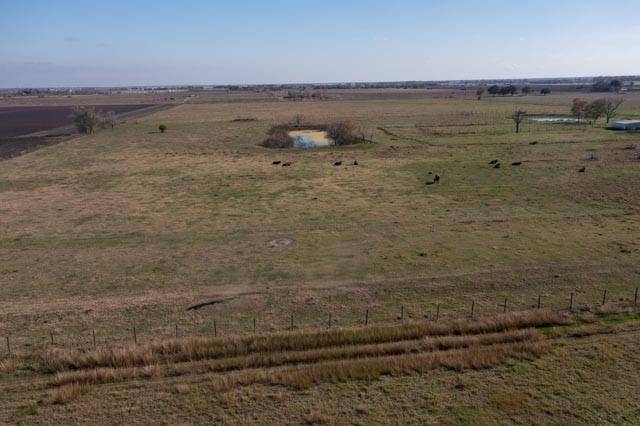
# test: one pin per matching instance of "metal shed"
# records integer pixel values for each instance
(626, 125)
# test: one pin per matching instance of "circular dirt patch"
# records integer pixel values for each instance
(279, 243)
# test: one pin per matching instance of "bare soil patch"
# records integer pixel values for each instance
(16, 122)
(280, 243)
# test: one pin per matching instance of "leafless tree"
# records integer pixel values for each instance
(518, 118)
(611, 107)
(297, 120)
(108, 120)
(343, 133)
(579, 108)
(595, 110)
(480, 92)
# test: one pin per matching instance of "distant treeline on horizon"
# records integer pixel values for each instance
(626, 80)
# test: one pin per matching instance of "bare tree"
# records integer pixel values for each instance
(85, 119)
(108, 120)
(297, 120)
(611, 107)
(480, 92)
(518, 118)
(595, 110)
(343, 133)
(579, 108)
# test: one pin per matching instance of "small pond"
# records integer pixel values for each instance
(550, 119)
(310, 138)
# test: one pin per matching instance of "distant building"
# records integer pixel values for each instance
(626, 125)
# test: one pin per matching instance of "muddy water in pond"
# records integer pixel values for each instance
(310, 138)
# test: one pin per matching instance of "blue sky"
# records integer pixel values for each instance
(92, 43)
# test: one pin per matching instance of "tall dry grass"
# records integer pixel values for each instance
(371, 368)
(194, 349)
(273, 359)
(64, 394)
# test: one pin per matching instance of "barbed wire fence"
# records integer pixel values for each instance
(91, 339)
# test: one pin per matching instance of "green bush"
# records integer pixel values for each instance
(162, 128)
(85, 119)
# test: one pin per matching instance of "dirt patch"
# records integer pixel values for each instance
(221, 300)
(16, 122)
(280, 243)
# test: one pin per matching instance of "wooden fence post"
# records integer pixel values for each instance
(51, 337)
(254, 326)
(135, 335)
(635, 298)
(8, 346)
(215, 329)
(366, 317)
(571, 303)
(291, 321)
(539, 301)
(329, 320)
(437, 312)
(93, 332)
(402, 313)
(473, 308)
(176, 330)
(504, 307)
(604, 296)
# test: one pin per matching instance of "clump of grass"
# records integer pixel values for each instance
(7, 365)
(194, 349)
(67, 393)
(28, 410)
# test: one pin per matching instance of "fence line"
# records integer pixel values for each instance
(10, 345)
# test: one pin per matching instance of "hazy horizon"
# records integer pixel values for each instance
(148, 43)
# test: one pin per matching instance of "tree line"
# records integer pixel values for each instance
(509, 89)
(593, 111)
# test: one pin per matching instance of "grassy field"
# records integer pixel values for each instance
(130, 228)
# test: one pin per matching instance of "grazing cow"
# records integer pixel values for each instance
(582, 170)
(430, 173)
(338, 163)
(533, 143)
(275, 163)
(496, 166)
(516, 163)
(436, 179)
(286, 164)
(493, 162)
(355, 162)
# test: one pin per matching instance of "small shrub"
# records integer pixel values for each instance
(66, 393)
(278, 137)
(162, 128)
(85, 119)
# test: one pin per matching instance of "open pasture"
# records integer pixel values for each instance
(130, 227)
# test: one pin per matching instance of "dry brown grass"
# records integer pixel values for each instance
(66, 393)
(187, 350)
(8, 364)
(371, 368)
(273, 359)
